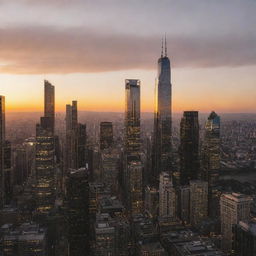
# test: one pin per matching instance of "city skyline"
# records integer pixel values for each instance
(211, 61)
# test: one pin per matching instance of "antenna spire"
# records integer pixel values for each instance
(165, 45)
(162, 51)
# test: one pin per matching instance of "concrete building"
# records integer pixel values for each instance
(167, 196)
(233, 208)
(198, 201)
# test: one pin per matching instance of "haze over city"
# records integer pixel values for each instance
(88, 48)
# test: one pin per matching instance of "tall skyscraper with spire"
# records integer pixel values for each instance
(162, 138)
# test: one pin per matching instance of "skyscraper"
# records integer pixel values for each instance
(198, 201)
(132, 120)
(106, 135)
(75, 139)
(45, 152)
(132, 166)
(167, 197)
(162, 139)
(211, 149)
(2, 142)
(233, 208)
(71, 136)
(49, 103)
(189, 147)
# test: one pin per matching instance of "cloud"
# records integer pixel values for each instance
(42, 50)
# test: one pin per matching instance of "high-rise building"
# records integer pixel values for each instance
(2, 141)
(8, 172)
(77, 193)
(152, 201)
(184, 203)
(45, 155)
(132, 120)
(49, 103)
(245, 238)
(25, 240)
(233, 208)
(81, 145)
(189, 147)
(75, 138)
(106, 135)
(167, 196)
(198, 201)
(133, 168)
(109, 167)
(135, 195)
(211, 149)
(162, 138)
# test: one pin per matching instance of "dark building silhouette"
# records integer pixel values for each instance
(2, 142)
(245, 238)
(189, 147)
(49, 104)
(75, 139)
(211, 149)
(106, 135)
(77, 194)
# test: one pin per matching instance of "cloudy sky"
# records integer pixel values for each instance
(87, 48)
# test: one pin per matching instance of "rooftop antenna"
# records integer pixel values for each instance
(162, 51)
(165, 45)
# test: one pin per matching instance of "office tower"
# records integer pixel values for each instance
(25, 240)
(45, 171)
(233, 208)
(81, 145)
(245, 238)
(109, 167)
(211, 149)
(189, 147)
(8, 172)
(20, 165)
(132, 120)
(167, 196)
(45, 154)
(106, 135)
(2, 141)
(162, 138)
(49, 104)
(74, 131)
(77, 194)
(105, 235)
(151, 201)
(184, 204)
(198, 201)
(133, 168)
(135, 196)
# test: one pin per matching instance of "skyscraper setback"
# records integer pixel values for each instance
(45, 154)
(189, 147)
(162, 138)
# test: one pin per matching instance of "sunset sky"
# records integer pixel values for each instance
(87, 48)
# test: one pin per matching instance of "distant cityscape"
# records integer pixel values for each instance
(145, 184)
